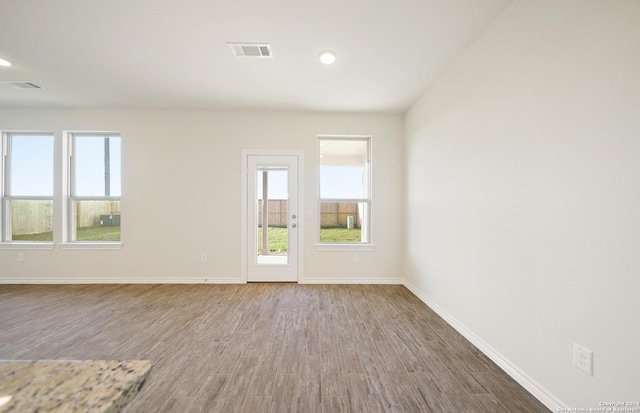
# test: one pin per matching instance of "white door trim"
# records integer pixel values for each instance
(244, 242)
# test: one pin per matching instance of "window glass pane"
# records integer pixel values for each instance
(97, 220)
(271, 228)
(342, 182)
(97, 166)
(343, 222)
(344, 175)
(31, 220)
(278, 183)
(343, 168)
(344, 171)
(31, 162)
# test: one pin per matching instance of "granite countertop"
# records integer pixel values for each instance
(70, 386)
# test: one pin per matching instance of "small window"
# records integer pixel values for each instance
(27, 187)
(94, 188)
(345, 194)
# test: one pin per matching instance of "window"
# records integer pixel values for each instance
(94, 188)
(27, 187)
(345, 190)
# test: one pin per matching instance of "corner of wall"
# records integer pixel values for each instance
(533, 387)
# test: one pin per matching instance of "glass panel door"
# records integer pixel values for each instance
(272, 217)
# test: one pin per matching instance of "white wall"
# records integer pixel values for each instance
(523, 195)
(182, 194)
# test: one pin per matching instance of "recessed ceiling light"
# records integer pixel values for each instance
(4, 62)
(327, 57)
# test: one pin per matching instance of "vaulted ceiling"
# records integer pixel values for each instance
(169, 54)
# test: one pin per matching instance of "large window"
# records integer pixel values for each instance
(27, 187)
(94, 188)
(345, 190)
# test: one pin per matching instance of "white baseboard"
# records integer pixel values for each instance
(533, 387)
(394, 281)
(188, 280)
(124, 280)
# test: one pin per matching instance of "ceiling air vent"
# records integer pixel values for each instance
(251, 49)
(21, 84)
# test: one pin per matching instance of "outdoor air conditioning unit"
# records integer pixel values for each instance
(110, 220)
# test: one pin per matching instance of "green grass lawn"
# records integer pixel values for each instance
(277, 240)
(43, 236)
(278, 237)
(340, 235)
(99, 233)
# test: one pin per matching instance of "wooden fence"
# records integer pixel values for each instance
(335, 214)
(277, 212)
(35, 217)
(88, 212)
(332, 215)
(31, 217)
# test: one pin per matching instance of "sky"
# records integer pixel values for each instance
(339, 182)
(31, 171)
(89, 154)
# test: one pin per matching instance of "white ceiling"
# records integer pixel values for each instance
(170, 54)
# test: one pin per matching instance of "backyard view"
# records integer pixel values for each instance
(32, 220)
(98, 233)
(94, 188)
(340, 222)
(278, 237)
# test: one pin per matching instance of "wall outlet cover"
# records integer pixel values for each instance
(583, 358)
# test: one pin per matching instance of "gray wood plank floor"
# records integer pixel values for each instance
(263, 347)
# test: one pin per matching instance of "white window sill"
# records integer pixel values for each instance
(344, 247)
(26, 245)
(91, 246)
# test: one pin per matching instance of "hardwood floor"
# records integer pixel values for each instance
(264, 347)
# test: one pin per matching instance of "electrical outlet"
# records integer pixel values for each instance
(203, 257)
(20, 257)
(356, 257)
(583, 359)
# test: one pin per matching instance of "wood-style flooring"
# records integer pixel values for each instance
(263, 347)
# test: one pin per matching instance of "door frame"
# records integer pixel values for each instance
(244, 218)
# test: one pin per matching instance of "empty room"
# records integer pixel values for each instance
(337, 206)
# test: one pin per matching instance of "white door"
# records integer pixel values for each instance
(273, 219)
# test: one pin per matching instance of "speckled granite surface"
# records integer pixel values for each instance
(69, 386)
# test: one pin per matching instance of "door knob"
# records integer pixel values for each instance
(293, 225)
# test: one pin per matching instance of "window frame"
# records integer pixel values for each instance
(70, 199)
(367, 222)
(6, 241)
